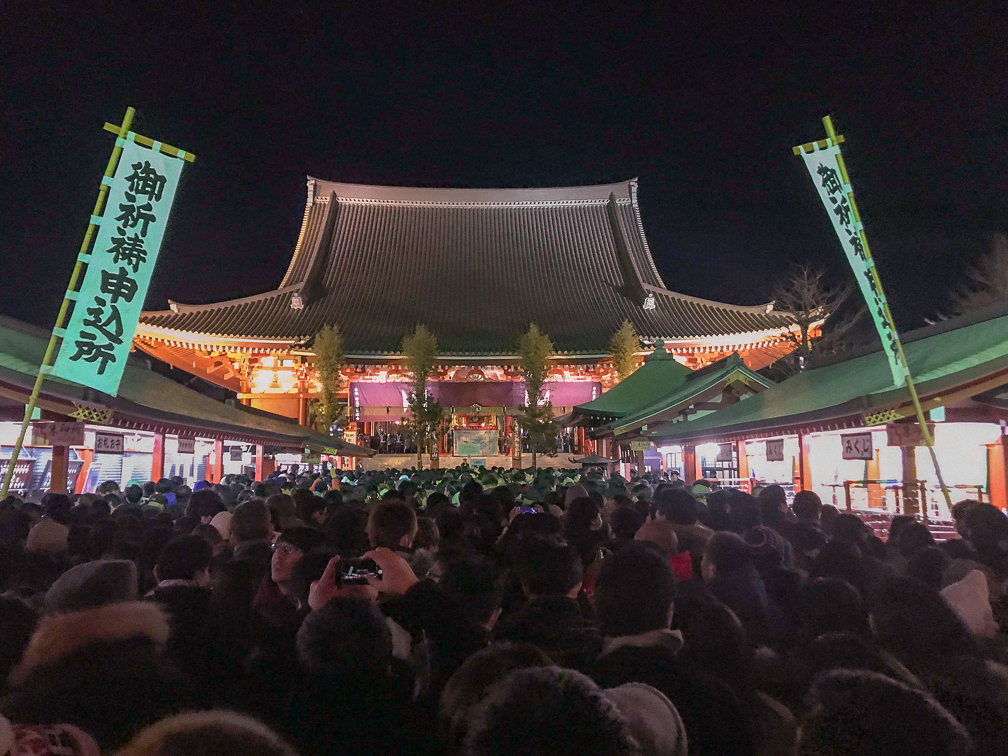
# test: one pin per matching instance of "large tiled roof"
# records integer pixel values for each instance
(476, 266)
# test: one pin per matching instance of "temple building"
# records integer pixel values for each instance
(476, 266)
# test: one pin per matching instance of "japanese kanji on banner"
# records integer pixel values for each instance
(105, 315)
(836, 194)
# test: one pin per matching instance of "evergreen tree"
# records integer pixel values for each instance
(624, 347)
(420, 352)
(329, 357)
(534, 353)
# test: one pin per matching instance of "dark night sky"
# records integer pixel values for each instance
(703, 105)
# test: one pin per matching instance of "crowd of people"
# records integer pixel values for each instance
(494, 612)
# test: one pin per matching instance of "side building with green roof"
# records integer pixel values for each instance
(845, 432)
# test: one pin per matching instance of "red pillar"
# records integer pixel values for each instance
(87, 455)
(803, 482)
(691, 464)
(58, 469)
(269, 466)
(218, 467)
(743, 465)
(259, 462)
(157, 458)
(997, 472)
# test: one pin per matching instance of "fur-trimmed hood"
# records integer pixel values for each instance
(59, 635)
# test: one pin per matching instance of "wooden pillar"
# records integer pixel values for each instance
(218, 468)
(157, 458)
(803, 481)
(911, 493)
(876, 495)
(302, 409)
(691, 461)
(997, 472)
(581, 440)
(258, 462)
(269, 466)
(58, 469)
(639, 461)
(743, 466)
(516, 446)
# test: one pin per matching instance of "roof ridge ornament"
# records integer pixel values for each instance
(649, 302)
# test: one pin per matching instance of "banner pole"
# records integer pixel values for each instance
(110, 170)
(921, 420)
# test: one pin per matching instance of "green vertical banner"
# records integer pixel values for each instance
(826, 167)
(97, 339)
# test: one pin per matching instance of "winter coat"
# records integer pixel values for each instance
(349, 717)
(715, 720)
(744, 592)
(556, 625)
(101, 670)
(195, 634)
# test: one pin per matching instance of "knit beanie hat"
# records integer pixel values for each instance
(48, 536)
(93, 584)
(576, 491)
(971, 600)
(222, 521)
(654, 721)
(769, 548)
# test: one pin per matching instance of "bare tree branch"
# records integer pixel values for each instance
(810, 302)
(987, 281)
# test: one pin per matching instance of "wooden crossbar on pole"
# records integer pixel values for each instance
(833, 139)
(71, 294)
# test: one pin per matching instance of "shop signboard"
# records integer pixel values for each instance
(108, 443)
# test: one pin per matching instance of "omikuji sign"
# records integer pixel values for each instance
(105, 315)
(857, 446)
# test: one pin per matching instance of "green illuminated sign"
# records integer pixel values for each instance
(97, 338)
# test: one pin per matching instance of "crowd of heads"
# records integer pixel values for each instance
(474, 611)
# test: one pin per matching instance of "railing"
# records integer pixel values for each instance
(928, 500)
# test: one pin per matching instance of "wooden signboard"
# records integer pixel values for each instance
(906, 434)
(108, 443)
(775, 450)
(857, 446)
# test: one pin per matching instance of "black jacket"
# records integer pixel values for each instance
(333, 715)
(715, 720)
(556, 625)
(195, 634)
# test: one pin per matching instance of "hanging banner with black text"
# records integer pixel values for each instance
(836, 194)
(97, 338)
